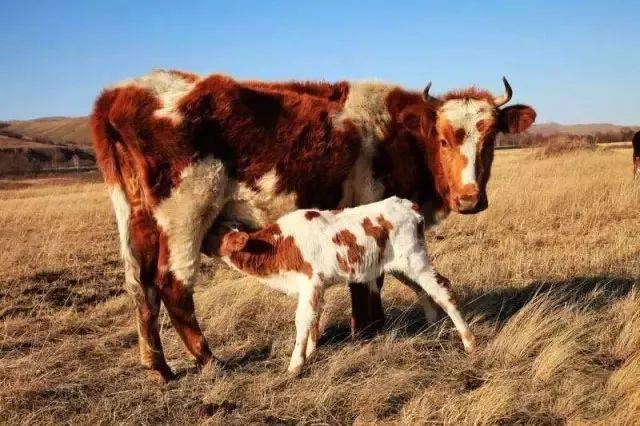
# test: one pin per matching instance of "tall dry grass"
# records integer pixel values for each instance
(548, 277)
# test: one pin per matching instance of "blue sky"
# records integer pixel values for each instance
(574, 61)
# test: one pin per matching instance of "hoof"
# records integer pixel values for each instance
(469, 342)
(161, 375)
(295, 371)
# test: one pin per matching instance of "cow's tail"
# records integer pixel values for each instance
(124, 170)
(116, 145)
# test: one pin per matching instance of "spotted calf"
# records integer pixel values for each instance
(306, 251)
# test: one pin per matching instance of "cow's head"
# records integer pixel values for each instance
(466, 127)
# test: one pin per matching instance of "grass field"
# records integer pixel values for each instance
(548, 277)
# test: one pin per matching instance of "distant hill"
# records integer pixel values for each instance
(578, 129)
(51, 142)
(59, 130)
(45, 144)
(76, 130)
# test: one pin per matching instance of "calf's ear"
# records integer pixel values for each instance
(232, 242)
(516, 118)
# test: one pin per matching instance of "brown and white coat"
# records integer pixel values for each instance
(178, 151)
(306, 251)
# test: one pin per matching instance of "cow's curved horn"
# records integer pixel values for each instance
(501, 100)
(429, 98)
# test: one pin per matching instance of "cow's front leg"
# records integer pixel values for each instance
(367, 317)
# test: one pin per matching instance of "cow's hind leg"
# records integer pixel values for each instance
(183, 218)
(178, 299)
(139, 250)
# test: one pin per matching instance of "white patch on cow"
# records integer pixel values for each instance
(258, 207)
(464, 114)
(188, 213)
(168, 87)
(366, 108)
(123, 214)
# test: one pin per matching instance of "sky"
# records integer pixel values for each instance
(573, 61)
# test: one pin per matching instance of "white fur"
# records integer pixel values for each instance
(131, 266)
(168, 87)
(188, 213)
(464, 114)
(366, 108)
(404, 254)
(132, 283)
(257, 208)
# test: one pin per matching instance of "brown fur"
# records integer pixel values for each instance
(380, 233)
(247, 128)
(312, 214)
(342, 262)
(354, 250)
(516, 118)
(334, 92)
(469, 93)
(267, 253)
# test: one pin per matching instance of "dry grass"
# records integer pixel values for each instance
(562, 144)
(548, 277)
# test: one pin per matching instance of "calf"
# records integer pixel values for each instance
(306, 251)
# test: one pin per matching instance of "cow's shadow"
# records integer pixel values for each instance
(499, 305)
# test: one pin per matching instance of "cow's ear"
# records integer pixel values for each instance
(412, 120)
(516, 118)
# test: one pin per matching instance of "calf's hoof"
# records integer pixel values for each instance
(469, 342)
(295, 370)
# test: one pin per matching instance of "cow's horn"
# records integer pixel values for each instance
(501, 100)
(429, 98)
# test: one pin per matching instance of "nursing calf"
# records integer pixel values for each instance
(306, 251)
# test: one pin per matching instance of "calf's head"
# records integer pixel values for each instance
(467, 123)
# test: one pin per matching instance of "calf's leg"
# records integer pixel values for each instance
(317, 302)
(426, 279)
(307, 314)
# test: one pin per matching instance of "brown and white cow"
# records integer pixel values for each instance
(178, 151)
(307, 251)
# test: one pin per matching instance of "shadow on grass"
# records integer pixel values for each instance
(499, 305)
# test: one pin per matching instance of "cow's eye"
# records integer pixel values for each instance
(444, 143)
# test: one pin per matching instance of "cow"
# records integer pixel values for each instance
(306, 251)
(178, 151)
(636, 155)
